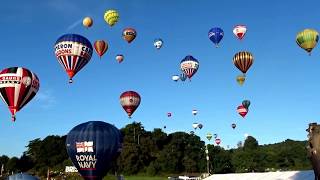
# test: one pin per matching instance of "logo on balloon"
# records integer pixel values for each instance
(86, 161)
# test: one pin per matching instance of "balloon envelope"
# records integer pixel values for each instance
(242, 111)
(200, 126)
(209, 136)
(239, 31)
(101, 47)
(111, 17)
(130, 101)
(195, 125)
(194, 112)
(241, 79)
(73, 52)
(18, 86)
(175, 78)
(233, 125)
(215, 35)
(243, 61)
(92, 146)
(129, 34)
(158, 43)
(87, 22)
(189, 66)
(183, 77)
(246, 104)
(218, 141)
(307, 39)
(119, 58)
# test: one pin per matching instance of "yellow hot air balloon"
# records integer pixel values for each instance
(307, 39)
(241, 79)
(111, 17)
(87, 22)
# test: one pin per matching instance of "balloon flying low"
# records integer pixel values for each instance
(18, 86)
(130, 101)
(92, 146)
(218, 141)
(209, 136)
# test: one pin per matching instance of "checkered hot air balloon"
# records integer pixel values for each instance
(130, 101)
(18, 86)
(73, 52)
(242, 111)
(189, 65)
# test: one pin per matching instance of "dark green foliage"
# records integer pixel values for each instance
(157, 153)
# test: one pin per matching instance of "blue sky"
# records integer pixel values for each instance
(282, 83)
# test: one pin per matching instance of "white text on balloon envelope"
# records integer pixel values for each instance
(86, 161)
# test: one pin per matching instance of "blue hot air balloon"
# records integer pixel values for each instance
(22, 176)
(215, 35)
(92, 146)
(183, 76)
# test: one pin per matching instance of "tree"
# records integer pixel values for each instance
(250, 143)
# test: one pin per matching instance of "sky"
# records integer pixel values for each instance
(282, 84)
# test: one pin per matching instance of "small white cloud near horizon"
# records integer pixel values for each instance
(46, 99)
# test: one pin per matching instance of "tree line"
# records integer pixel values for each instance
(157, 153)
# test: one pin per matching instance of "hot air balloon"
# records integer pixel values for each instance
(215, 136)
(218, 141)
(22, 176)
(233, 125)
(246, 104)
(200, 126)
(209, 136)
(73, 52)
(239, 31)
(183, 77)
(92, 146)
(195, 125)
(87, 22)
(129, 34)
(169, 114)
(307, 39)
(119, 58)
(194, 112)
(175, 78)
(243, 60)
(241, 79)
(192, 132)
(215, 35)
(158, 43)
(111, 17)
(130, 101)
(164, 127)
(189, 66)
(18, 86)
(101, 47)
(242, 111)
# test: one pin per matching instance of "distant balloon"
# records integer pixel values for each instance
(233, 125)
(158, 43)
(195, 125)
(175, 78)
(101, 47)
(87, 22)
(215, 35)
(92, 146)
(218, 141)
(209, 136)
(18, 86)
(111, 17)
(194, 112)
(192, 132)
(246, 104)
(215, 136)
(241, 79)
(242, 111)
(183, 77)
(307, 39)
(164, 127)
(119, 58)
(243, 61)
(130, 101)
(129, 34)
(73, 52)
(189, 66)
(239, 31)
(169, 114)
(200, 126)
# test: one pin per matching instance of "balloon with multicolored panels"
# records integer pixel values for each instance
(111, 17)
(243, 61)
(239, 31)
(242, 110)
(73, 52)
(209, 136)
(92, 147)
(130, 101)
(129, 34)
(18, 86)
(215, 35)
(189, 66)
(307, 39)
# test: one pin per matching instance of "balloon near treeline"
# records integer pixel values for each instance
(101, 47)
(307, 39)
(218, 141)
(73, 52)
(18, 86)
(87, 22)
(209, 136)
(130, 101)
(111, 17)
(92, 146)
